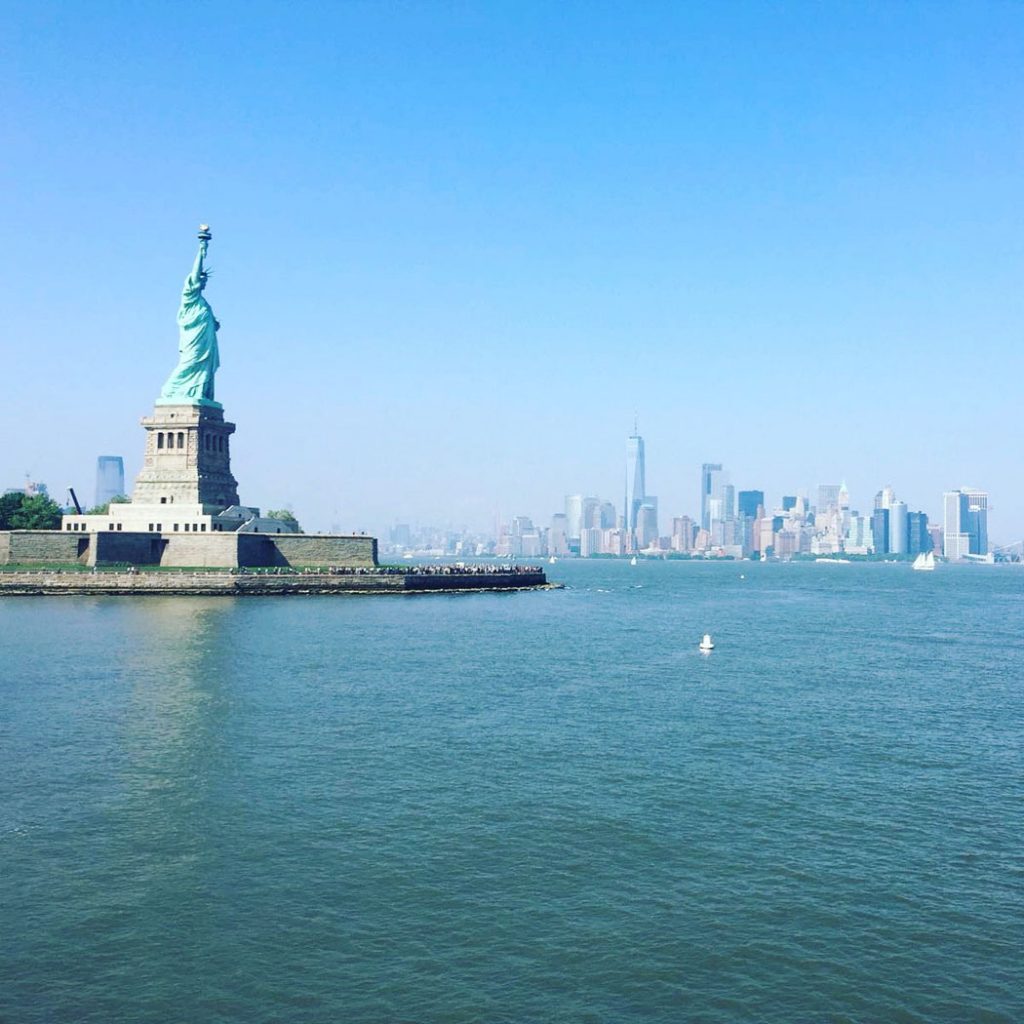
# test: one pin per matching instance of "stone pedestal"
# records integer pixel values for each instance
(187, 459)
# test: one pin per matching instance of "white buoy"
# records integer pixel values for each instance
(707, 644)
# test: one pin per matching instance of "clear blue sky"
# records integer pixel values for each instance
(458, 246)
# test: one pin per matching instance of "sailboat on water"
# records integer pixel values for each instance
(925, 562)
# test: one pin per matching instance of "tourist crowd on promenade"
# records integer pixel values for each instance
(449, 569)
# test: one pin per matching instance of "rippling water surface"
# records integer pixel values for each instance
(531, 807)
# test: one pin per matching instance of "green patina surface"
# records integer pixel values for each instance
(191, 382)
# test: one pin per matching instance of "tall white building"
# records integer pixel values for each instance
(885, 497)
(956, 542)
(898, 528)
(636, 485)
(647, 523)
(573, 516)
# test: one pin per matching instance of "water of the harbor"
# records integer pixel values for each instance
(522, 807)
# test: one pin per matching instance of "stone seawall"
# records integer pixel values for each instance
(186, 550)
(42, 583)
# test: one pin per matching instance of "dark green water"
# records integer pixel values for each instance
(533, 807)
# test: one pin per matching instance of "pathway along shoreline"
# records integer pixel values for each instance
(48, 582)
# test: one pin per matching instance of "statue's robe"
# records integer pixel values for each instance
(198, 357)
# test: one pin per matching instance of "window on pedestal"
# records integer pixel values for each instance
(160, 439)
(181, 439)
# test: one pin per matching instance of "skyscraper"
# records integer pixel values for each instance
(573, 516)
(647, 523)
(558, 538)
(749, 502)
(977, 521)
(965, 525)
(955, 538)
(898, 527)
(918, 537)
(828, 496)
(880, 530)
(682, 533)
(711, 484)
(109, 478)
(636, 488)
(885, 497)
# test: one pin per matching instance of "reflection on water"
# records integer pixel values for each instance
(176, 667)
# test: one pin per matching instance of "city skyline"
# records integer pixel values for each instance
(729, 524)
(718, 500)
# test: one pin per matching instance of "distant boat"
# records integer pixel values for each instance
(552, 560)
(632, 561)
(925, 562)
(834, 561)
(707, 645)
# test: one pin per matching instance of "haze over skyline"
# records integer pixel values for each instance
(457, 248)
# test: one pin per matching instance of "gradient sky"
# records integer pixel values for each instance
(457, 247)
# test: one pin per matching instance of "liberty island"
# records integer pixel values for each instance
(185, 511)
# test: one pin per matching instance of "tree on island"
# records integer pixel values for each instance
(19, 511)
(287, 517)
(102, 510)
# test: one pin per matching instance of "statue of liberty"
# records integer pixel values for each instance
(191, 383)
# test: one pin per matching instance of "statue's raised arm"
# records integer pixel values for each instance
(191, 383)
(197, 278)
